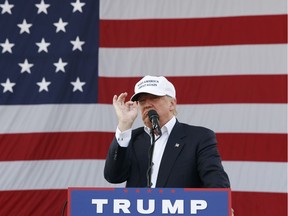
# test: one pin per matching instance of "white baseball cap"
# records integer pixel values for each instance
(155, 85)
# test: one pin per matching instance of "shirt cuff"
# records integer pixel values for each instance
(123, 138)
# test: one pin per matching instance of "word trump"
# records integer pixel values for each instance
(167, 207)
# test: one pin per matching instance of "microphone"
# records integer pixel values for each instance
(154, 119)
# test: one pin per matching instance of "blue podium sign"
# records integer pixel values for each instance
(149, 201)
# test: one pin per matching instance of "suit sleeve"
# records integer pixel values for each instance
(210, 167)
(116, 165)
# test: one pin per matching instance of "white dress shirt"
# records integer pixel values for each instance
(124, 138)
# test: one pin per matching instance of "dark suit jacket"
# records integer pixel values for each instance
(194, 163)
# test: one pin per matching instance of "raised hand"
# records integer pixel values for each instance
(126, 111)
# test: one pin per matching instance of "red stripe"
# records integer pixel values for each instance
(268, 29)
(253, 147)
(50, 202)
(45, 146)
(94, 145)
(209, 89)
(264, 204)
(32, 202)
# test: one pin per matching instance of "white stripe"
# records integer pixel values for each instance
(193, 61)
(61, 174)
(257, 176)
(237, 118)
(147, 9)
(251, 118)
(51, 174)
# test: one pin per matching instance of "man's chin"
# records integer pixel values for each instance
(147, 123)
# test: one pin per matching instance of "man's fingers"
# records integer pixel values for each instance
(122, 97)
(129, 103)
(114, 99)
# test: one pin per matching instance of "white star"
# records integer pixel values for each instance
(6, 7)
(78, 85)
(7, 46)
(43, 85)
(25, 66)
(8, 86)
(77, 6)
(43, 46)
(60, 65)
(24, 27)
(77, 44)
(60, 25)
(42, 7)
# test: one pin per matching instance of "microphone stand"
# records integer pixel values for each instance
(64, 207)
(150, 157)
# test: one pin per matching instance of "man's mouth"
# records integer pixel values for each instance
(146, 113)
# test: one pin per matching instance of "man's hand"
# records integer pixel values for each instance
(126, 111)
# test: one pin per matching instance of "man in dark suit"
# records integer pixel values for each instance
(184, 156)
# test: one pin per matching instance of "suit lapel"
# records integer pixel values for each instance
(172, 150)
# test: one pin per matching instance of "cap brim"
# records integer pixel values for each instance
(136, 95)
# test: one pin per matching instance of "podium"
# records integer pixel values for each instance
(149, 201)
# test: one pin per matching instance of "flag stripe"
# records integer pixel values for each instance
(266, 172)
(147, 9)
(230, 118)
(32, 202)
(193, 61)
(222, 118)
(52, 174)
(44, 146)
(253, 203)
(210, 89)
(61, 174)
(266, 29)
(253, 147)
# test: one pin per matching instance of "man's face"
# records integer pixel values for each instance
(163, 105)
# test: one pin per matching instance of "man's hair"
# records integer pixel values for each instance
(174, 111)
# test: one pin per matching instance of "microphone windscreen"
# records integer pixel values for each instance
(152, 114)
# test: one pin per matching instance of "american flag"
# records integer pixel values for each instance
(61, 62)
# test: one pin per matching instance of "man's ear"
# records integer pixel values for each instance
(173, 103)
